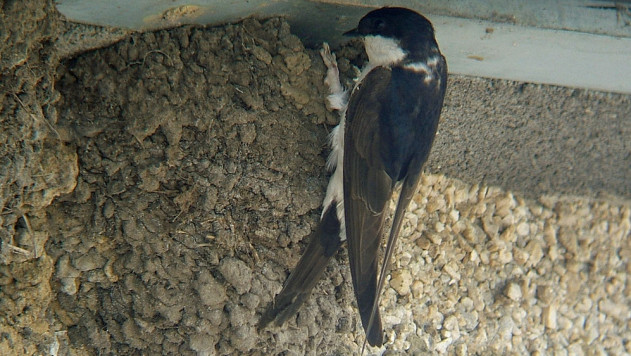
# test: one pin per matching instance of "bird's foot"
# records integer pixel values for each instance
(338, 98)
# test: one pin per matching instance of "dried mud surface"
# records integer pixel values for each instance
(34, 170)
(167, 182)
(200, 153)
(87, 147)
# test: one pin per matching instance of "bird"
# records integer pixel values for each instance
(388, 123)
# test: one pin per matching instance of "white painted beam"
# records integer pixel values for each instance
(566, 58)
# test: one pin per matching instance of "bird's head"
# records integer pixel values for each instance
(392, 33)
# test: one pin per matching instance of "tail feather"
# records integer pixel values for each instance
(374, 321)
(325, 241)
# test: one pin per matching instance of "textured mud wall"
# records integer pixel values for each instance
(35, 167)
(200, 150)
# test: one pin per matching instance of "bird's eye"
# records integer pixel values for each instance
(380, 24)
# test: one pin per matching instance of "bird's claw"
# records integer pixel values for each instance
(337, 99)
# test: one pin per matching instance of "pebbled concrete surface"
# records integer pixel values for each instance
(535, 139)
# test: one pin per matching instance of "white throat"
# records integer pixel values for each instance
(383, 51)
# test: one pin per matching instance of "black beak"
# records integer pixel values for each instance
(352, 33)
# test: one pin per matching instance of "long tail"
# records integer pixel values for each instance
(325, 241)
(407, 192)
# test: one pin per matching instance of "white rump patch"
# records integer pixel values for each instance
(338, 100)
(335, 189)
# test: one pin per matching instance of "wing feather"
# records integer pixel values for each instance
(390, 126)
(367, 190)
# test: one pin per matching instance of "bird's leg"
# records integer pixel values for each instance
(338, 98)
